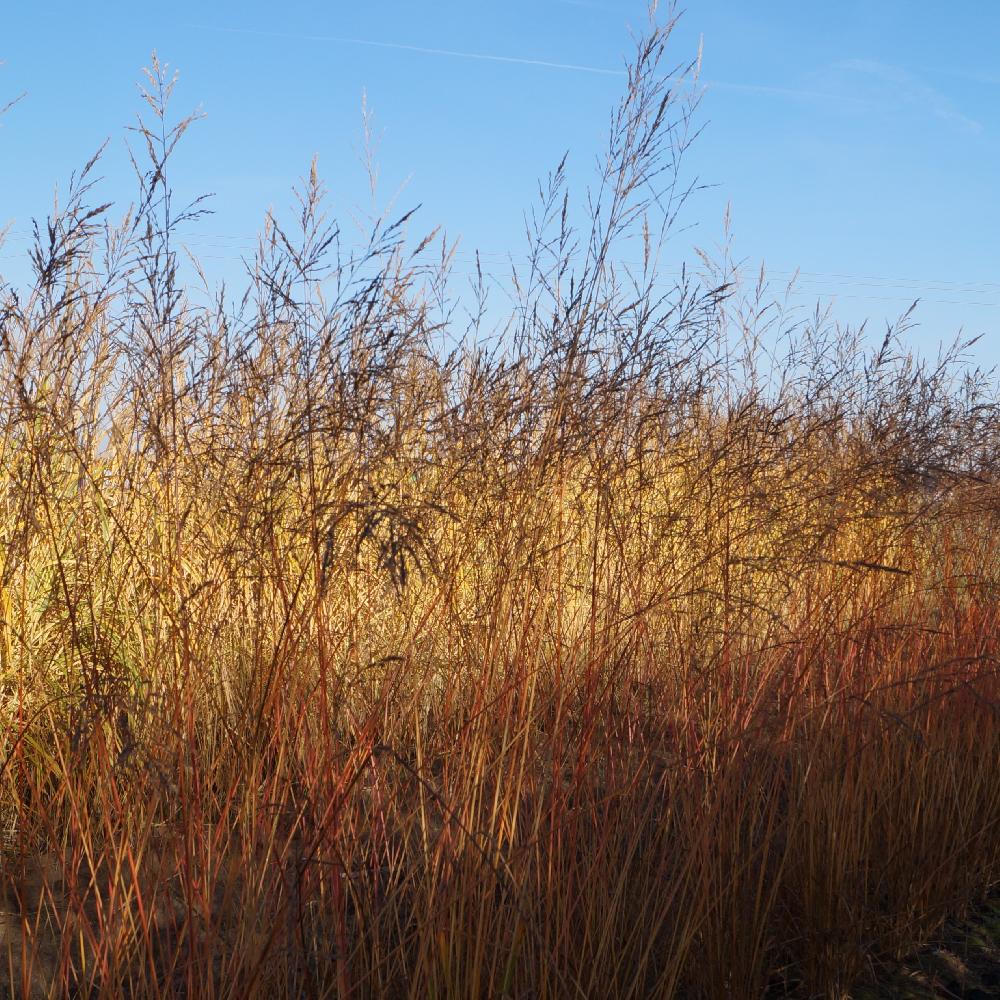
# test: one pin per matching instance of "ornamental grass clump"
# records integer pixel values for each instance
(644, 644)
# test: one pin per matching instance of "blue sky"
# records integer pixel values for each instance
(859, 141)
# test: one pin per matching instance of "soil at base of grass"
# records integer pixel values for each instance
(962, 963)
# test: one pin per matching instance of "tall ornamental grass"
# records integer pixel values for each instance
(352, 645)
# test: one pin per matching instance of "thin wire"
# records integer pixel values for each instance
(498, 258)
(818, 294)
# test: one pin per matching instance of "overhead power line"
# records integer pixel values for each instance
(495, 266)
(812, 293)
(494, 259)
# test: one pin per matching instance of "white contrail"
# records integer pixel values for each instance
(744, 88)
(454, 53)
